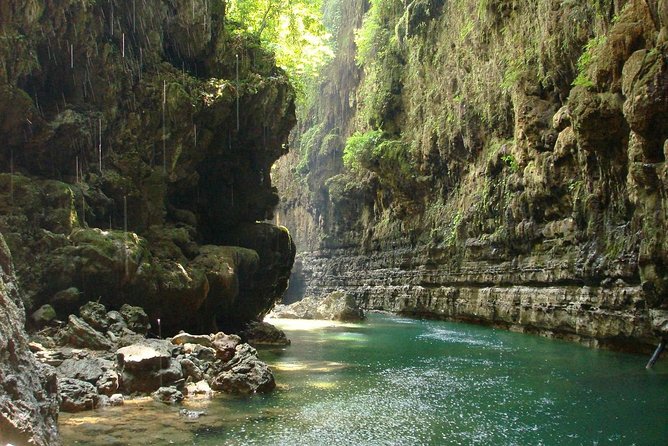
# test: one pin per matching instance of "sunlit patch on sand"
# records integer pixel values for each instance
(311, 366)
(306, 324)
(324, 385)
(350, 337)
(80, 420)
(288, 366)
(137, 401)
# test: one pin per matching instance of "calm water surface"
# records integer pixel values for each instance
(395, 381)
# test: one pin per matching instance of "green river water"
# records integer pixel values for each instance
(395, 381)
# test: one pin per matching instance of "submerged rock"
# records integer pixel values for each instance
(168, 395)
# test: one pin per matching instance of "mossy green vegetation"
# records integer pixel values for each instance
(586, 60)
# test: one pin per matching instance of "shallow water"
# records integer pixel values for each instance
(395, 381)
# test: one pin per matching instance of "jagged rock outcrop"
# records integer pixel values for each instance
(496, 176)
(335, 306)
(122, 362)
(134, 140)
(28, 392)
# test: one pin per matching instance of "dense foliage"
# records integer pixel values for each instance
(293, 29)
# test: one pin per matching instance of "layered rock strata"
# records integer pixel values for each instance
(496, 175)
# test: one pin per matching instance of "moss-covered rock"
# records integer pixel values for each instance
(125, 151)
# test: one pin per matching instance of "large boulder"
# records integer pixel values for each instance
(77, 395)
(95, 315)
(276, 252)
(243, 374)
(148, 365)
(135, 318)
(337, 306)
(263, 334)
(221, 362)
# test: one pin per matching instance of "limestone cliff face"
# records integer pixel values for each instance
(137, 140)
(509, 169)
(28, 394)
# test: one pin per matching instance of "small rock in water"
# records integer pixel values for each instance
(168, 395)
(77, 395)
(116, 399)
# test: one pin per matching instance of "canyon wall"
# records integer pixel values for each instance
(136, 142)
(495, 162)
(28, 396)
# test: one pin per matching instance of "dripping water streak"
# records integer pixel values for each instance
(164, 132)
(83, 208)
(11, 175)
(99, 145)
(125, 233)
(237, 93)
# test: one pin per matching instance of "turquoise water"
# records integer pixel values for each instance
(395, 381)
